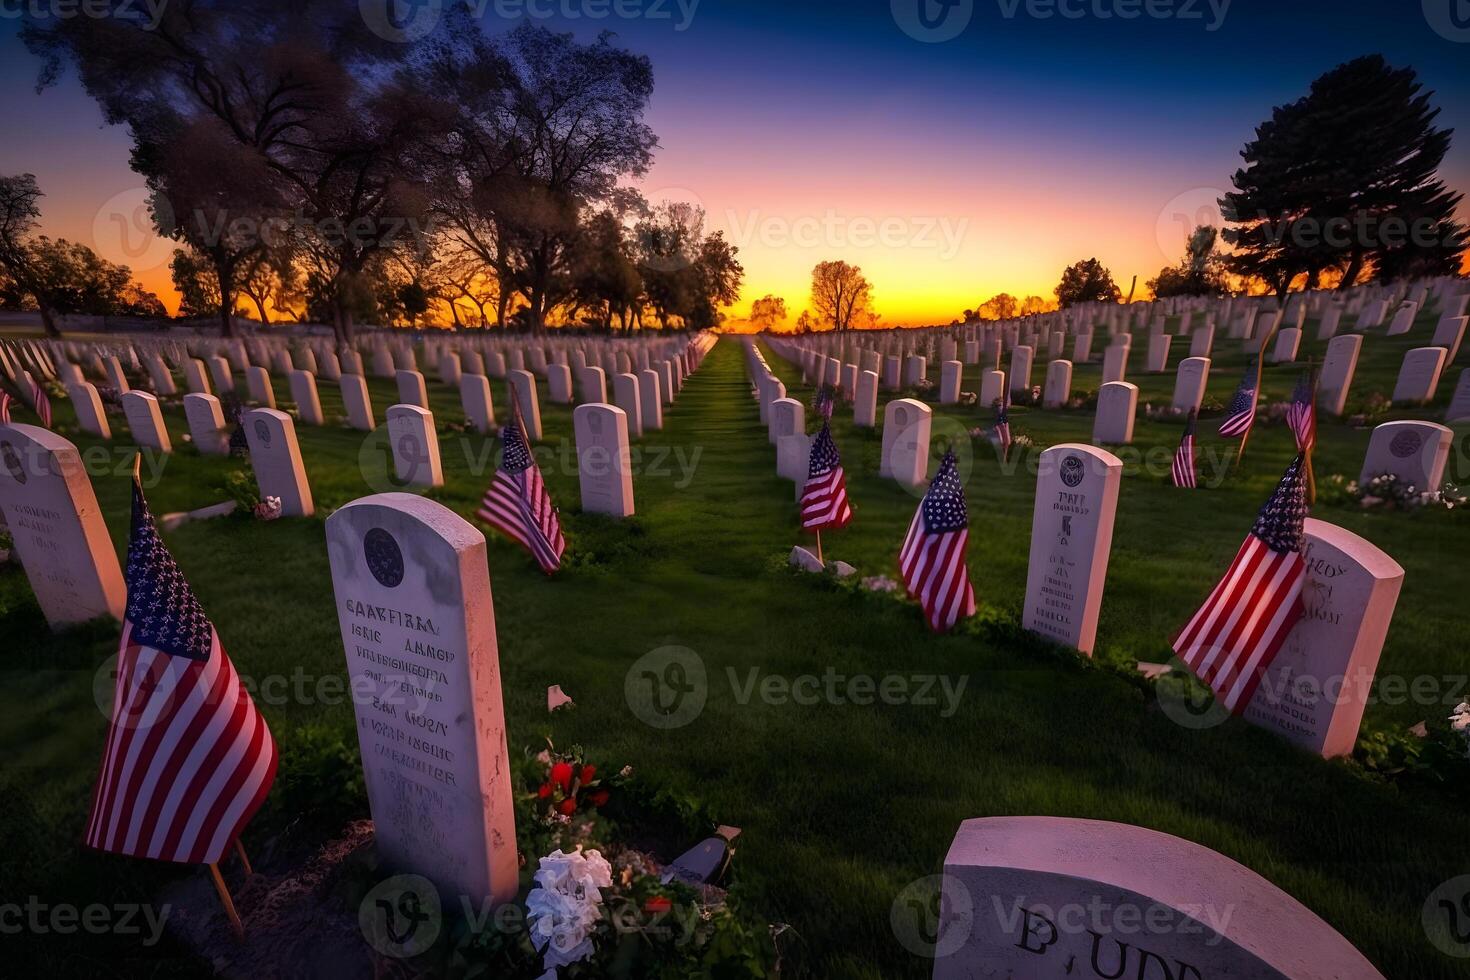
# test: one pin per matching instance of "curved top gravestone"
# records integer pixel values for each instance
(1057, 898)
(47, 502)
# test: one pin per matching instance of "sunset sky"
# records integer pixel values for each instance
(948, 171)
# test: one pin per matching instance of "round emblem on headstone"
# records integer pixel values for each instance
(262, 432)
(384, 558)
(1073, 471)
(1406, 444)
(12, 462)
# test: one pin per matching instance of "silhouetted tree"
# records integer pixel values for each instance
(839, 293)
(1087, 282)
(1200, 273)
(1342, 177)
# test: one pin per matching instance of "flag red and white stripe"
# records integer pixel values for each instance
(517, 504)
(39, 402)
(1301, 415)
(1184, 458)
(932, 559)
(824, 503)
(188, 758)
(4, 408)
(1239, 630)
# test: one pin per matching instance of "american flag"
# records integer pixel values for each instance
(825, 401)
(517, 503)
(1236, 634)
(188, 758)
(1242, 410)
(40, 402)
(1002, 427)
(1301, 414)
(932, 560)
(824, 499)
(1184, 457)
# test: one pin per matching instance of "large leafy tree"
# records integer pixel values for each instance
(840, 294)
(545, 129)
(302, 93)
(1200, 273)
(1087, 282)
(56, 276)
(1344, 177)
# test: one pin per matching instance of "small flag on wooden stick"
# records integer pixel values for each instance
(932, 560)
(1239, 630)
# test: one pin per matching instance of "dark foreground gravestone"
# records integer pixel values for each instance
(1056, 898)
(418, 626)
(47, 501)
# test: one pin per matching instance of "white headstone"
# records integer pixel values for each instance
(592, 385)
(57, 528)
(258, 383)
(145, 421)
(411, 389)
(1288, 342)
(1158, 353)
(604, 466)
(1336, 379)
(474, 398)
(418, 626)
(1459, 410)
(415, 445)
(1071, 541)
(906, 425)
(1061, 898)
(304, 394)
(1419, 376)
(1315, 691)
(992, 386)
(1415, 452)
(865, 401)
(1117, 405)
(358, 402)
(276, 459)
(88, 405)
(949, 384)
(651, 412)
(1190, 382)
(522, 385)
(1021, 368)
(627, 397)
(559, 384)
(207, 424)
(1058, 384)
(1448, 334)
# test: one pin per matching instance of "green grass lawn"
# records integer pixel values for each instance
(841, 805)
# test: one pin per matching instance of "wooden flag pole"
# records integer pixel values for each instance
(1260, 371)
(226, 901)
(820, 560)
(1312, 446)
(240, 850)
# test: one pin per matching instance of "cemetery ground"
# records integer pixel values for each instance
(841, 804)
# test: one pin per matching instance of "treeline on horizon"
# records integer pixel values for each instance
(306, 163)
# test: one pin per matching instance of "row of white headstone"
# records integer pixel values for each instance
(1318, 687)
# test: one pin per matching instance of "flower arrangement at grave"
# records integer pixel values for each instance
(1387, 491)
(268, 509)
(969, 399)
(594, 904)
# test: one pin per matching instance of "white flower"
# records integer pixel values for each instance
(1460, 719)
(566, 904)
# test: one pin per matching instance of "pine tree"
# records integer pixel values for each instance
(1343, 177)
